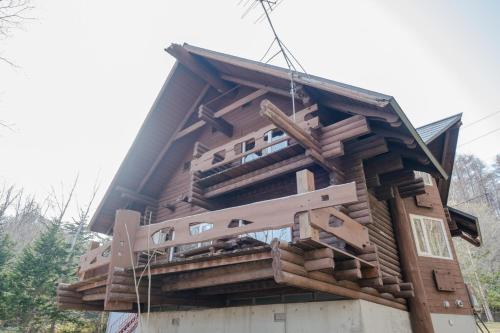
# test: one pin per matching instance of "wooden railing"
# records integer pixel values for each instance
(130, 238)
(232, 151)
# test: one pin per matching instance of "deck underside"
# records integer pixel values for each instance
(279, 272)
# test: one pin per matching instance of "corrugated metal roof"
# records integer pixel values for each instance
(431, 131)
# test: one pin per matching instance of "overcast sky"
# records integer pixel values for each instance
(90, 70)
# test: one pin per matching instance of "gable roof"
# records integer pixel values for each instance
(431, 131)
(175, 100)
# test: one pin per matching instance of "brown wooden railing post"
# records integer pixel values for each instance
(122, 251)
(305, 183)
(420, 315)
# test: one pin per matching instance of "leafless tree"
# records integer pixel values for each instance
(60, 201)
(13, 14)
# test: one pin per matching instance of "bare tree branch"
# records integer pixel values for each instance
(13, 14)
(60, 201)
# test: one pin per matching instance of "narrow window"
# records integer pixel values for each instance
(425, 176)
(248, 146)
(430, 237)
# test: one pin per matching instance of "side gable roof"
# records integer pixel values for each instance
(431, 131)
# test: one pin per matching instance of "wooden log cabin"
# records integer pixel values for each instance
(235, 192)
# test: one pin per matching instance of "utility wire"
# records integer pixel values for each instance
(473, 198)
(486, 117)
(479, 137)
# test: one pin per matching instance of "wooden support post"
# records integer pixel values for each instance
(420, 315)
(305, 183)
(124, 230)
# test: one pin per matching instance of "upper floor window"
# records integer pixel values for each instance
(430, 237)
(248, 146)
(275, 135)
(425, 176)
(270, 136)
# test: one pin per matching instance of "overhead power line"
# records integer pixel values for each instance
(479, 137)
(485, 117)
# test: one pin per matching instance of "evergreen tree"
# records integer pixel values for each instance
(6, 254)
(33, 282)
(5, 251)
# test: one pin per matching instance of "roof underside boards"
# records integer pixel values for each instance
(467, 224)
(175, 98)
(431, 131)
(441, 138)
(183, 87)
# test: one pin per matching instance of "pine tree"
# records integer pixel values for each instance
(6, 254)
(33, 282)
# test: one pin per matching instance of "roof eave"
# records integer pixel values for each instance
(395, 106)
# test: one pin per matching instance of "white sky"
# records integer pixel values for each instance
(90, 70)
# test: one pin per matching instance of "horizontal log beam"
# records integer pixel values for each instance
(240, 102)
(207, 115)
(314, 284)
(372, 113)
(282, 121)
(219, 276)
(260, 175)
(208, 74)
(252, 84)
(135, 196)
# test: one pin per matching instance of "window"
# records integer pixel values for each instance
(425, 176)
(270, 136)
(247, 146)
(195, 230)
(275, 135)
(430, 237)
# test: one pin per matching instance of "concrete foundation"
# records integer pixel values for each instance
(354, 316)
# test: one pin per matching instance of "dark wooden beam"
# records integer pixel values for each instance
(384, 163)
(190, 129)
(412, 154)
(372, 113)
(173, 138)
(251, 271)
(247, 83)
(207, 115)
(312, 146)
(240, 102)
(135, 196)
(208, 74)
(420, 315)
(366, 148)
(394, 134)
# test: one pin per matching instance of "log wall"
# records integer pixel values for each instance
(245, 120)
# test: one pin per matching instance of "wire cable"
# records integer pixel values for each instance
(479, 137)
(486, 117)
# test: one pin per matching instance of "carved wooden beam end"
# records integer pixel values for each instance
(204, 113)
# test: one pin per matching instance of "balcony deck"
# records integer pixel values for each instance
(233, 265)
